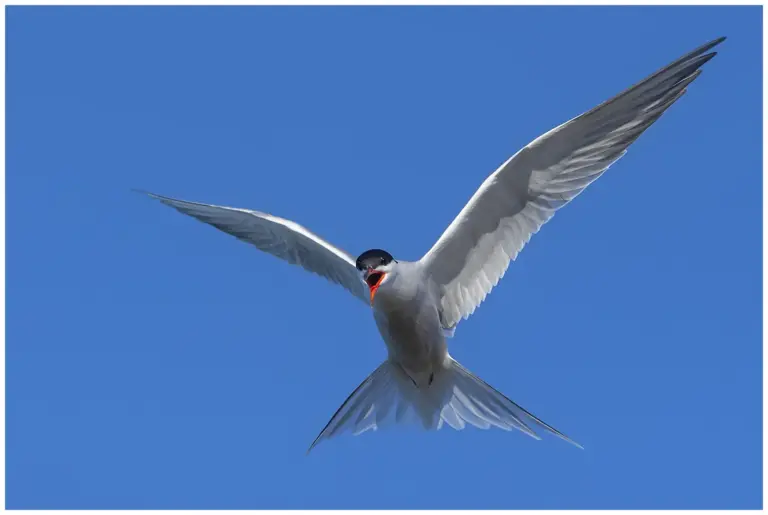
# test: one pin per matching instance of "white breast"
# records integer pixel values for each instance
(409, 322)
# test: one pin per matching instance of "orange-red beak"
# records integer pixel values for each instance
(373, 279)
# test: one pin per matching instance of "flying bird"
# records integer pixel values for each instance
(417, 305)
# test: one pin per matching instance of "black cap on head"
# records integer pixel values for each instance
(373, 258)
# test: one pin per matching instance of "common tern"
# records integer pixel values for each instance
(417, 305)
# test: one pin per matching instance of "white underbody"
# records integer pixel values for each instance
(407, 316)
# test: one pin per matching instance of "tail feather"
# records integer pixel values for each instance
(463, 407)
(511, 406)
(489, 401)
(456, 397)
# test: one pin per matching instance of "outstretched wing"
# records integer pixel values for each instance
(282, 238)
(517, 199)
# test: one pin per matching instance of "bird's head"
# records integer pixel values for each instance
(375, 267)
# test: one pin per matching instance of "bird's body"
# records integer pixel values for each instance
(417, 305)
(406, 312)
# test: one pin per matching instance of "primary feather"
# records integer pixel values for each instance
(523, 193)
(282, 238)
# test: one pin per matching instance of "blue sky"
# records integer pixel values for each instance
(154, 362)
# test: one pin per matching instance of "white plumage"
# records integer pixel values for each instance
(417, 305)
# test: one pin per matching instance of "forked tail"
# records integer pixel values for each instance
(456, 397)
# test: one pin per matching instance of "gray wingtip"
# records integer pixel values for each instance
(317, 440)
(168, 201)
(144, 192)
(706, 46)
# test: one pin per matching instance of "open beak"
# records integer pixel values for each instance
(373, 279)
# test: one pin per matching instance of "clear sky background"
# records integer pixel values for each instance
(154, 362)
